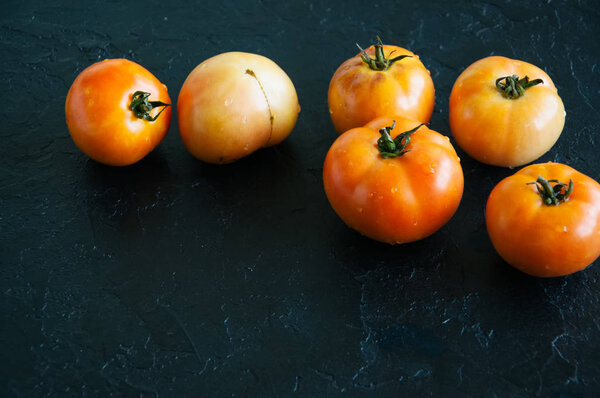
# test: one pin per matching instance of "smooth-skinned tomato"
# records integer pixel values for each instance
(380, 81)
(117, 112)
(233, 104)
(505, 112)
(545, 220)
(394, 183)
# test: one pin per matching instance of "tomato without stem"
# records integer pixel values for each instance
(505, 112)
(545, 220)
(380, 81)
(393, 187)
(117, 112)
(233, 104)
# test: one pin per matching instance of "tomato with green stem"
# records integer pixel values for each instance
(505, 112)
(380, 81)
(545, 220)
(393, 180)
(117, 112)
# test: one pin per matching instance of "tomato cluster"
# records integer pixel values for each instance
(396, 181)
(388, 175)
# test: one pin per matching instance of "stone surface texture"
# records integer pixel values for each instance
(176, 278)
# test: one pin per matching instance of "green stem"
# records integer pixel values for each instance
(380, 62)
(553, 195)
(391, 148)
(141, 107)
(512, 87)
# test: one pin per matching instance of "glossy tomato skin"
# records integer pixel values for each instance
(542, 240)
(500, 131)
(98, 115)
(358, 94)
(233, 104)
(395, 200)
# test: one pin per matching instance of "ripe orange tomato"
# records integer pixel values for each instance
(112, 112)
(394, 82)
(233, 104)
(505, 112)
(545, 219)
(394, 182)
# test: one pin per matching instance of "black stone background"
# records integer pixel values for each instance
(177, 278)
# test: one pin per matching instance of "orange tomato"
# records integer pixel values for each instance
(545, 235)
(393, 187)
(233, 104)
(395, 82)
(100, 117)
(501, 114)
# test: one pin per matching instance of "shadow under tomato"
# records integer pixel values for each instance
(360, 253)
(130, 199)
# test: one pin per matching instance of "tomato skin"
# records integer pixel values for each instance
(499, 131)
(542, 240)
(394, 200)
(358, 94)
(234, 103)
(98, 115)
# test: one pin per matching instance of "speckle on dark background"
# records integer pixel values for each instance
(176, 278)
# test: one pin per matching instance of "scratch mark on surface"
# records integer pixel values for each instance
(297, 384)
(186, 333)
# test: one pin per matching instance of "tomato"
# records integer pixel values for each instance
(395, 82)
(233, 104)
(505, 112)
(100, 116)
(393, 191)
(551, 234)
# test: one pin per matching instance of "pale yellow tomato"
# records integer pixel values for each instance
(233, 104)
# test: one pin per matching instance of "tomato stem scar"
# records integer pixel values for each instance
(141, 107)
(552, 195)
(512, 87)
(391, 148)
(380, 62)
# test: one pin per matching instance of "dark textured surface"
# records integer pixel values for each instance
(176, 278)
